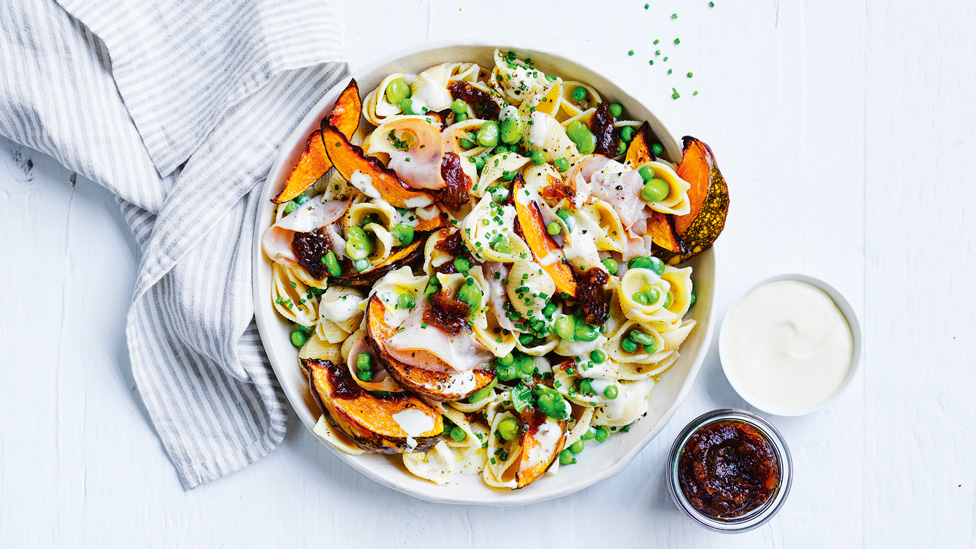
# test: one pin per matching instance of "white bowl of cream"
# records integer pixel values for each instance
(790, 345)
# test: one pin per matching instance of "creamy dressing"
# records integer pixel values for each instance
(413, 422)
(364, 183)
(788, 345)
(341, 309)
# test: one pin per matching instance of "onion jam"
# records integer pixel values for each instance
(728, 468)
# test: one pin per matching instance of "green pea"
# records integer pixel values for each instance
(525, 365)
(657, 149)
(579, 94)
(539, 158)
(616, 109)
(668, 300)
(406, 105)
(586, 387)
(651, 348)
(290, 207)
(554, 228)
(361, 264)
(358, 244)
(549, 310)
(460, 117)
(561, 164)
(566, 328)
(331, 263)
(508, 175)
(611, 265)
(307, 330)
(526, 339)
(402, 233)
(554, 405)
(640, 298)
(577, 447)
(652, 292)
(627, 134)
(643, 338)
(506, 360)
(502, 246)
(693, 300)
(582, 136)
(397, 91)
(511, 125)
(650, 262)
(468, 141)
(628, 346)
(301, 199)
(459, 106)
(508, 428)
(458, 434)
(585, 332)
(566, 457)
(568, 218)
(432, 287)
(646, 173)
(364, 361)
(602, 435)
(462, 264)
(488, 134)
(364, 375)
(611, 392)
(483, 393)
(298, 338)
(479, 163)
(501, 149)
(598, 356)
(405, 301)
(470, 294)
(590, 434)
(621, 147)
(655, 190)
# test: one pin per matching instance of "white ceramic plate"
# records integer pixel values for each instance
(600, 461)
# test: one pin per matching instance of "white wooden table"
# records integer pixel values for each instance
(846, 132)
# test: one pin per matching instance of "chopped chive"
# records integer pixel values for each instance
(631, 52)
(674, 16)
(711, 4)
(656, 42)
(665, 58)
(677, 41)
(658, 52)
(648, 6)
(696, 92)
(651, 61)
(669, 71)
(674, 93)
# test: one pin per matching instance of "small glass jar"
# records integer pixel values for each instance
(751, 519)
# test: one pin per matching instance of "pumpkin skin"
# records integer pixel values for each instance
(428, 383)
(314, 162)
(540, 243)
(397, 259)
(367, 419)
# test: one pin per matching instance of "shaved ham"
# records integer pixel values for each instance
(432, 348)
(497, 295)
(420, 165)
(308, 217)
(381, 380)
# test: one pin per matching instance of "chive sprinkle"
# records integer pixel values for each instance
(674, 93)
(669, 71)
(648, 6)
(631, 52)
(651, 61)
(690, 75)
(677, 41)
(656, 42)
(674, 16)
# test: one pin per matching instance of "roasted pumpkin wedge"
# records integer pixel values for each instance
(314, 162)
(542, 440)
(349, 159)
(539, 241)
(390, 424)
(709, 197)
(429, 383)
(397, 259)
(639, 150)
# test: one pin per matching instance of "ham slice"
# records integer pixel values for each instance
(432, 348)
(420, 165)
(308, 217)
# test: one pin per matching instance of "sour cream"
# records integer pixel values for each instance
(787, 346)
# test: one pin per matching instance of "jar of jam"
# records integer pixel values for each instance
(729, 471)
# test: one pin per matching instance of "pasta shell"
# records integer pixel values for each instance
(494, 338)
(382, 243)
(340, 313)
(676, 202)
(501, 473)
(644, 371)
(376, 108)
(529, 288)
(674, 338)
(430, 87)
(495, 167)
(487, 226)
(570, 106)
(335, 437)
(681, 288)
(321, 349)
(615, 350)
(634, 282)
(581, 427)
(545, 133)
(611, 236)
(516, 82)
(291, 297)
(384, 214)
(435, 465)
(549, 344)
(548, 102)
(630, 404)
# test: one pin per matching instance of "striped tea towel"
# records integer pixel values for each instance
(178, 108)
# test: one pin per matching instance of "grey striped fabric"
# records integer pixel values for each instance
(178, 108)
